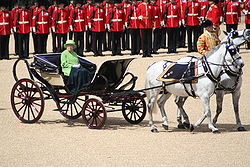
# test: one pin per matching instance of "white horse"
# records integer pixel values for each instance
(230, 83)
(209, 69)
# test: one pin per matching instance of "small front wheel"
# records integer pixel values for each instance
(94, 113)
(134, 110)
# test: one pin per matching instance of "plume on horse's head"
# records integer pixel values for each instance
(237, 37)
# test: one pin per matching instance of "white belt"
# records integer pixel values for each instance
(61, 22)
(156, 17)
(80, 20)
(116, 20)
(42, 22)
(100, 19)
(193, 14)
(4, 23)
(23, 22)
(171, 16)
(231, 13)
(133, 18)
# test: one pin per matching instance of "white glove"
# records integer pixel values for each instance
(71, 28)
(126, 25)
(224, 23)
(140, 17)
(108, 27)
(244, 12)
(14, 29)
(162, 23)
(221, 19)
(180, 23)
(76, 66)
(53, 29)
(34, 29)
(183, 22)
(89, 25)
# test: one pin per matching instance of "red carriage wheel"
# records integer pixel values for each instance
(27, 101)
(134, 110)
(71, 107)
(94, 113)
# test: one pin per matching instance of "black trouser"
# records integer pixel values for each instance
(116, 42)
(163, 37)
(16, 43)
(157, 39)
(172, 36)
(107, 41)
(61, 40)
(71, 35)
(79, 40)
(125, 39)
(97, 41)
(88, 41)
(23, 45)
(146, 37)
(192, 44)
(35, 42)
(135, 41)
(248, 43)
(181, 36)
(4, 46)
(229, 27)
(54, 49)
(42, 43)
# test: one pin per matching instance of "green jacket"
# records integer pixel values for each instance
(68, 59)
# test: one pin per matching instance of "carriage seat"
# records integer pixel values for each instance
(50, 67)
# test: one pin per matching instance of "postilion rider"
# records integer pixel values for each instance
(76, 76)
(208, 39)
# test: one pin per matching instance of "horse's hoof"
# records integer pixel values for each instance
(191, 128)
(240, 129)
(165, 126)
(216, 131)
(154, 130)
(181, 126)
(186, 125)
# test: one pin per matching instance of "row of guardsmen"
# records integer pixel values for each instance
(109, 25)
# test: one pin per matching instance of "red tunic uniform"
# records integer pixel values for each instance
(78, 19)
(132, 18)
(193, 12)
(97, 18)
(88, 8)
(126, 6)
(214, 14)
(22, 21)
(182, 4)
(157, 16)
(146, 15)
(203, 4)
(173, 16)
(5, 22)
(247, 12)
(116, 19)
(232, 12)
(61, 21)
(161, 4)
(41, 21)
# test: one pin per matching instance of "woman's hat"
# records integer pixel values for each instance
(70, 42)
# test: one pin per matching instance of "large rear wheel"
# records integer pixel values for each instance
(94, 113)
(134, 110)
(27, 101)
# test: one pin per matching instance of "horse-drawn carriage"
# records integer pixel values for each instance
(47, 81)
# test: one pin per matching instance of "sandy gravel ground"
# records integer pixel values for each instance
(56, 141)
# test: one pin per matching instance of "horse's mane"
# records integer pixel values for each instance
(213, 50)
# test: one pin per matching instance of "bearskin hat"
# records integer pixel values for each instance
(215, 1)
(79, 1)
(97, 1)
(43, 3)
(207, 23)
(117, 1)
(23, 2)
(4, 3)
(65, 2)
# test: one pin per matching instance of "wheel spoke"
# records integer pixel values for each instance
(81, 99)
(128, 113)
(24, 111)
(78, 104)
(18, 103)
(36, 104)
(34, 108)
(75, 108)
(28, 112)
(32, 112)
(21, 108)
(71, 110)
(96, 121)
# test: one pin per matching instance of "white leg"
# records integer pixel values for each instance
(236, 97)
(151, 103)
(161, 101)
(207, 113)
(219, 102)
(181, 112)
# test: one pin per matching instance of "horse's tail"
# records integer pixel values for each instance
(150, 95)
